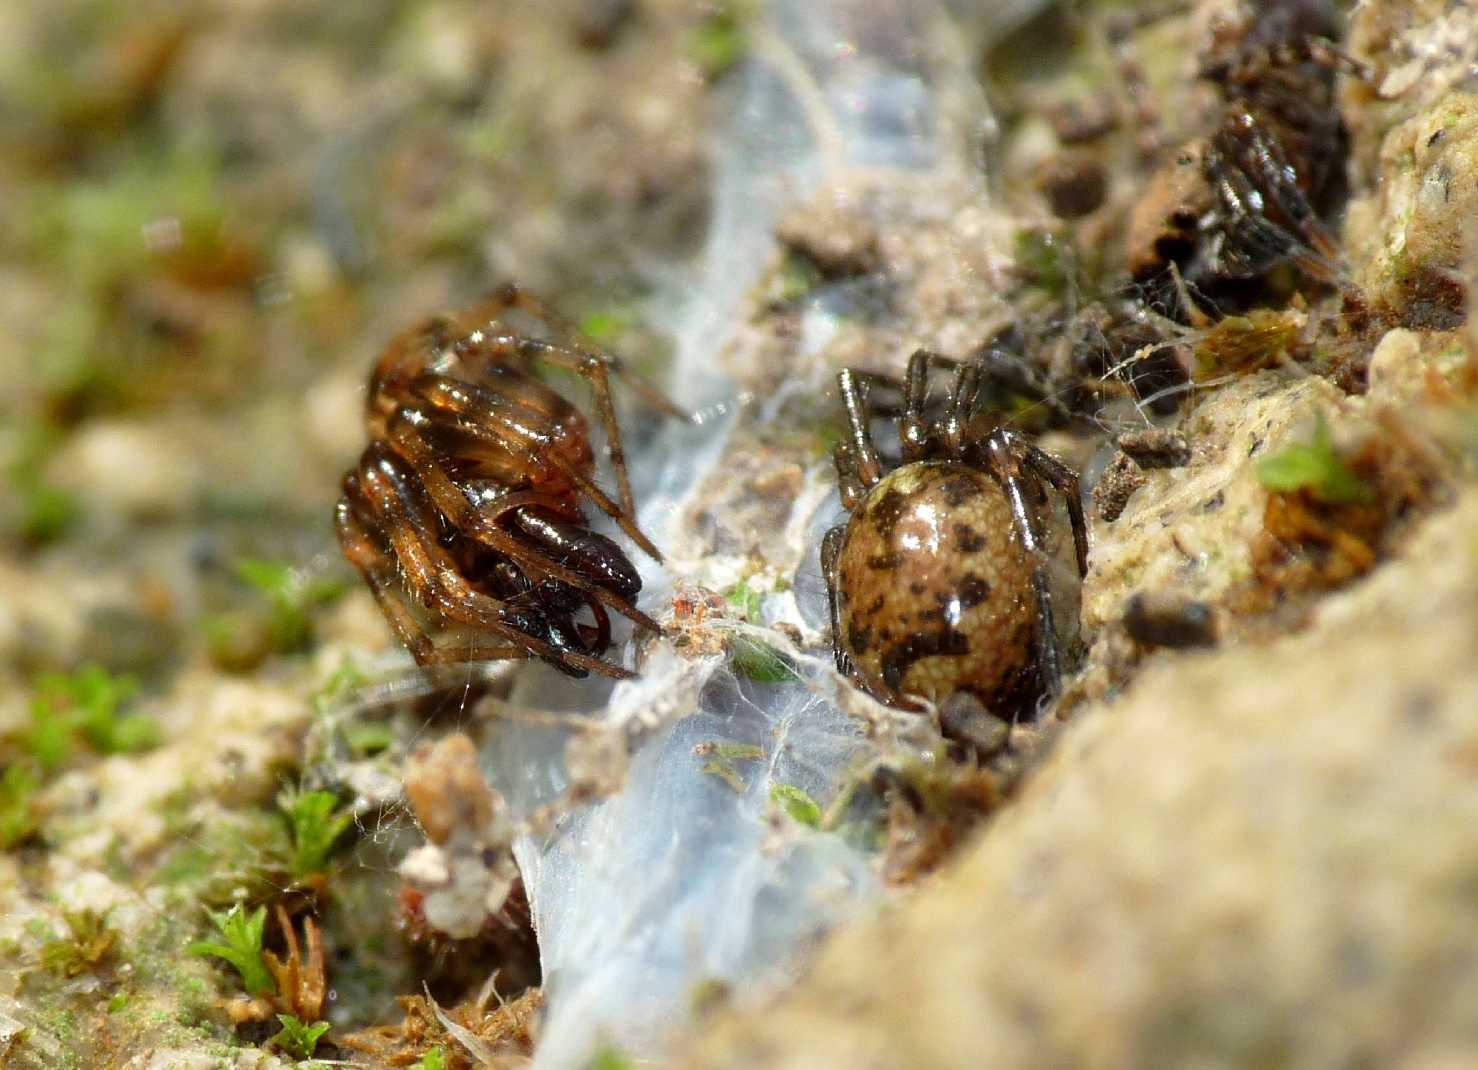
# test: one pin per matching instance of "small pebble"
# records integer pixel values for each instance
(1167, 621)
(1074, 183)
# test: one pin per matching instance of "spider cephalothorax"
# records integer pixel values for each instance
(938, 581)
(464, 514)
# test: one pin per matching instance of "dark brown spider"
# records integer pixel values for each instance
(1230, 206)
(938, 582)
(464, 513)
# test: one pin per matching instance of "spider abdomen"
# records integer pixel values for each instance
(934, 587)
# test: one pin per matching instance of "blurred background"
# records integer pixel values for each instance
(215, 214)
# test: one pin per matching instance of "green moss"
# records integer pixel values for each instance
(86, 944)
(316, 824)
(216, 861)
(797, 804)
(1047, 261)
(1315, 468)
(17, 820)
(242, 933)
(298, 1039)
(85, 707)
(760, 662)
(719, 41)
(609, 1058)
(342, 682)
(291, 597)
(435, 1059)
(41, 512)
(798, 276)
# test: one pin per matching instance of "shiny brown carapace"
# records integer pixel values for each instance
(938, 582)
(465, 514)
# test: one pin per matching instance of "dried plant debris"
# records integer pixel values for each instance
(469, 1036)
(1116, 485)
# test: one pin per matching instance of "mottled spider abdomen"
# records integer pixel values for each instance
(934, 587)
(938, 582)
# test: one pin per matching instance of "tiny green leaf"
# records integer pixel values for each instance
(746, 601)
(797, 804)
(243, 947)
(760, 662)
(603, 328)
(298, 1038)
(316, 824)
(88, 701)
(366, 740)
(719, 42)
(434, 1059)
(291, 597)
(1314, 467)
(609, 1058)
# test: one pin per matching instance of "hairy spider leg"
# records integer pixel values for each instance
(962, 395)
(510, 295)
(584, 360)
(1253, 64)
(407, 356)
(375, 562)
(1258, 155)
(831, 549)
(593, 369)
(864, 455)
(1005, 464)
(480, 522)
(486, 415)
(1063, 480)
(397, 500)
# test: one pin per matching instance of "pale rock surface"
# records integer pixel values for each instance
(1249, 860)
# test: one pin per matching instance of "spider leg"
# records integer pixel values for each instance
(372, 558)
(481, 523)
(572, 355)
(1006, 461)
(509, 295)
(914, 428)
(831, 548)
(1267, 212)
(962, 396)
(863, 454)
(600, 641)
(395, 497)
(1063, 480)
(849, 485)
(485, 414)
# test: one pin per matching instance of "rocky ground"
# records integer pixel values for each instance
(1244, 836)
